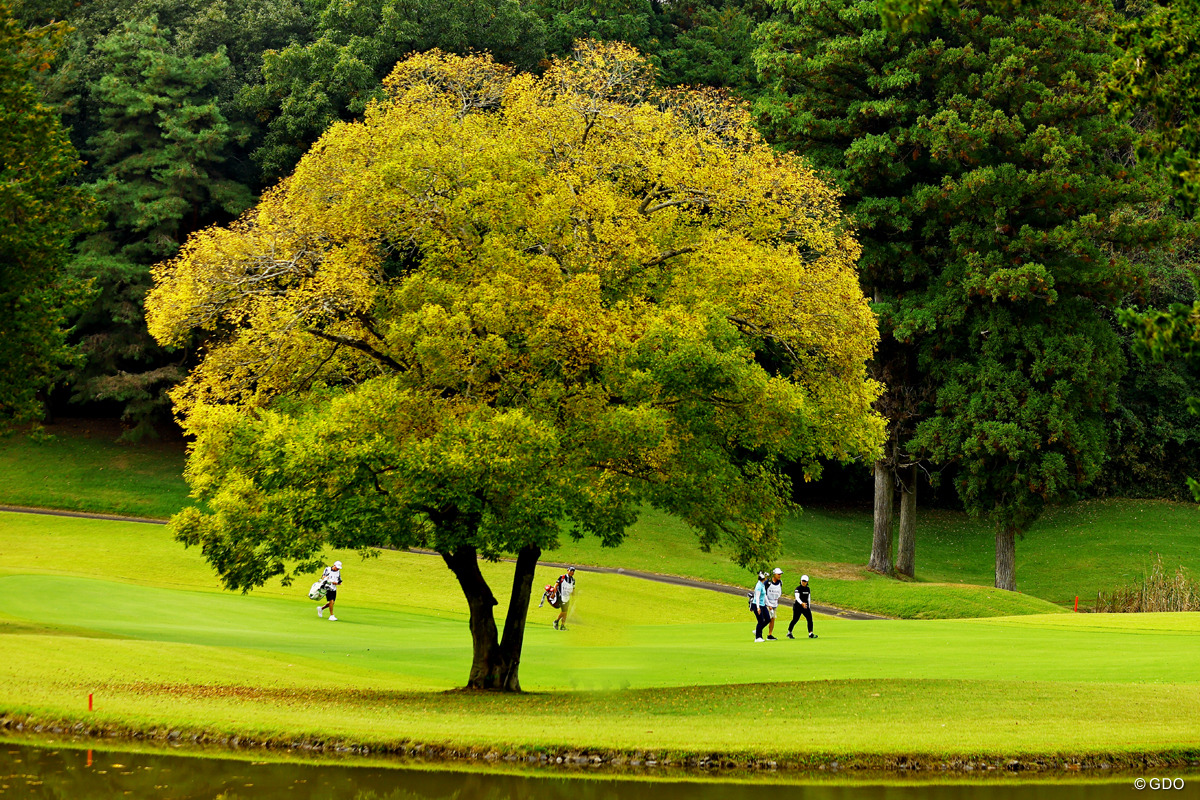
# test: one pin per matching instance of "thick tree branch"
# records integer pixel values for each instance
(361, 346)
(679, 251)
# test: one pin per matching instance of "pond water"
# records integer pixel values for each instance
(49, 772)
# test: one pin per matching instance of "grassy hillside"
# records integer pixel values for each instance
(1073, 550)
(121, 611)
(82, 468)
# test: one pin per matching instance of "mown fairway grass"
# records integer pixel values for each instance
(1073, 550)
(120, 610)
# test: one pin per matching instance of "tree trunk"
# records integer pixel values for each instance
(906, 549)
(495, 663)
(881, 544)
(518, 611)
(1006, 558)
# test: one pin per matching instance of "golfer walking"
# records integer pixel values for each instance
(332, 578)
(566, 587)
(774, 592)
(760, 606)
(802, 607)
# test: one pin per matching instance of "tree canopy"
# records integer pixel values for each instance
(308, 85)
(503, 307)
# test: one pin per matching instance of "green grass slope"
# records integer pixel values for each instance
(122, 611)
(1071, 551)
(82, 468)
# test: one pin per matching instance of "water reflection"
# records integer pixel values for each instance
(31, 772)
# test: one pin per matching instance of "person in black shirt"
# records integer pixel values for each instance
(802, 608)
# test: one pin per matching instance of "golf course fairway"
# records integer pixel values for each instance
(121, 612)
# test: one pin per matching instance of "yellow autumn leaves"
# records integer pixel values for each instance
(557, 244)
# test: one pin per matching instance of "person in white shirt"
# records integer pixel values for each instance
(332, 577)
(759, 604)
(566, 586)
(774, 592)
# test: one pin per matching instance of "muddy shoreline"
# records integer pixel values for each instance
(615, 763)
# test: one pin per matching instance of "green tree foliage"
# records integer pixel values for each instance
(154, 108)
(162, 141)
(693, 43)
(1154, 440)
(39, 214)
(503, 306)
(195, 28)
(1158, 77)
(713, 45)
(160, 149)
(309, 85)
(1158, 74)
(640, 23)
(922, 15)
(1165, 338)
(991, 187)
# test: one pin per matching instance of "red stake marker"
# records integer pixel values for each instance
(1076, 604)
(89, 701)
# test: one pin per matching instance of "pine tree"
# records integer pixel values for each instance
(988, 180)
(160, 152)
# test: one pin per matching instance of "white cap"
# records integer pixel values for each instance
(337, 565)
(777, 571)
(803, 578)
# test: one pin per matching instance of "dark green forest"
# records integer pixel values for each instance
(1023, 179)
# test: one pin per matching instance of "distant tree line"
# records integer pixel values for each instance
(1015, 172)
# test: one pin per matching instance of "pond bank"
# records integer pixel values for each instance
(659, 764)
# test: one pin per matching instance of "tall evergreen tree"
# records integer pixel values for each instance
(168, 146)
(159, 151)
(988, 181)
(39, 214)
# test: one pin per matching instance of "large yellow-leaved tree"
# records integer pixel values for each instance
(503, 308)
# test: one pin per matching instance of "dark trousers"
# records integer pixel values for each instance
(764, 619)
(798, 611)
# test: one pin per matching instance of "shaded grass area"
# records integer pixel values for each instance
(82, 468)
(121, 611)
